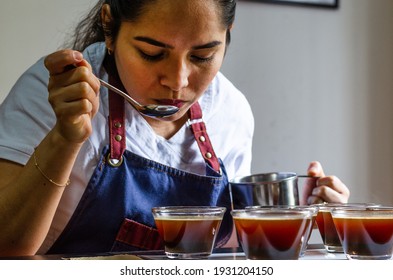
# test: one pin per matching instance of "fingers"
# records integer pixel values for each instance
(327, 188)
(67, 67)
(332, 182)
(73, 93)
(314, 200)
(308, 187)
(75, 99)
(331, 189)
(326, 194)
(58, 62)
(72, 87)
(315, 169)
(79, 75)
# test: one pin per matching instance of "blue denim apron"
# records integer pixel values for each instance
(114, 213)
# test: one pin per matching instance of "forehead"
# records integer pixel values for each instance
(179, 7)
(175, 15)
(179, 23)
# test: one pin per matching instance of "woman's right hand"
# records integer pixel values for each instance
(73, 94)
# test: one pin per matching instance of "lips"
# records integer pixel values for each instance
(173, 102)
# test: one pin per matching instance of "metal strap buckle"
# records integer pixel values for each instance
(191, 122)
(113, 161)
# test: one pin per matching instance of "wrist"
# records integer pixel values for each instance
(58, 141)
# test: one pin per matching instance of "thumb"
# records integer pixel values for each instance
(315, 169)
(60, 61)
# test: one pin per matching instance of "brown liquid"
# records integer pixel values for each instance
(268, 239)
(321, 225)
(366, 236)
(327, 229)
(188, 235)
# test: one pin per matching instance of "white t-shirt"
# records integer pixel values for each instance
(26, 117)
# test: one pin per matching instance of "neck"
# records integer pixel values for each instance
(166, 129)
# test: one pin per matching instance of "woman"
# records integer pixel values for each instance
(81, 172)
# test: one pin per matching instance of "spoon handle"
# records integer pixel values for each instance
(150, 110)
(118, 91)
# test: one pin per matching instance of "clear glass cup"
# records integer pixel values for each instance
(272, 234)
(311, 224)
(326, 226)
(314, 213)
(188, 232)
(366, 234)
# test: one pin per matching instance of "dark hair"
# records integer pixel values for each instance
(91, 30)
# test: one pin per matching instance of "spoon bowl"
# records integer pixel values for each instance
(150, 110)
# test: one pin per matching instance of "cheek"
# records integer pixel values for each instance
(201, 80)
(134, 78)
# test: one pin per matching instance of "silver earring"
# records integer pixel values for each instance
(110, 52)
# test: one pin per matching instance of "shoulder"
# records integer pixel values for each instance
(25, 114)
(30, 90)
(34, 81)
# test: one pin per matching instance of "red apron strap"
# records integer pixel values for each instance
(117, 131)
(116, 125)
(139, 235)
(198, 128)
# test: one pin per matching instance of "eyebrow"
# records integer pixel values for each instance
(163, 45)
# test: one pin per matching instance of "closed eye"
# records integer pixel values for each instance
(202, 59)
(152, 58)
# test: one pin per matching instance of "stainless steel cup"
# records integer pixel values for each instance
(265, 189)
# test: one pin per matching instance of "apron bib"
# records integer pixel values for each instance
(114, 213)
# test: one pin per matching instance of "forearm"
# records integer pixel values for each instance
(29, 200)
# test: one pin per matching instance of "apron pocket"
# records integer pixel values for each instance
(136, 236)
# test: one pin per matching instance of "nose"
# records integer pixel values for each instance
(175, 75)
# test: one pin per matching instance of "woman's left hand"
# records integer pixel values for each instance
(326, 188)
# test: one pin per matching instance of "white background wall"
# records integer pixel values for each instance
(31, 29)
(321, 87)
(319, 81)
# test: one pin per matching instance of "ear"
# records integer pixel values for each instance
(106, 21)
